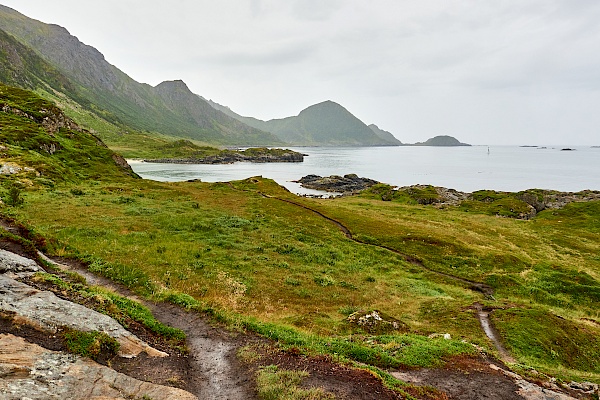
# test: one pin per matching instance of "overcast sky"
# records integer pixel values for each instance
(486, 72)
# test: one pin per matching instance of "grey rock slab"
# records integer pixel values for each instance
(16, 264)
(48, 312)
(28, 371)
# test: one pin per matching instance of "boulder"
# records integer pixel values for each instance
(376, 322)
(12, 263)
(350, 183)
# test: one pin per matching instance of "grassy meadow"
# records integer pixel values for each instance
(238, 252)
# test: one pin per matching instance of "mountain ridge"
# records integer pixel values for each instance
(118, 98)
(326, 123)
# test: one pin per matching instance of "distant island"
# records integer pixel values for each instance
(441, 141)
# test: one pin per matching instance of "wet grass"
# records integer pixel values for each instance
(274, 383)
(267, 265)
(91, 344)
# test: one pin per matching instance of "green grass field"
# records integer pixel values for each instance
(241, 254)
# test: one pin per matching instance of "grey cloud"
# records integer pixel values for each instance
(495, 69)
(316, 10)
(280, 55)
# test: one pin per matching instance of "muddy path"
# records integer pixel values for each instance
(486, 290)
(214, 371)
(490, 331)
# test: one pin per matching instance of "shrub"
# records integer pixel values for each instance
(14, 197)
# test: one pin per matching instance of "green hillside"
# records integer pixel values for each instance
(323, 124)
(42, 147)
(296, 270)
(103, 89)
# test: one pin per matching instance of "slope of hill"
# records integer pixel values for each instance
(119, 99)
(385, 135)
(41, 145)
(320, 267)
(323, 124)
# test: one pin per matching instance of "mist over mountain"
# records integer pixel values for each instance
(88, 79)
(322, 124)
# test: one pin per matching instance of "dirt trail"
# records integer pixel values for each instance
(214, 368)
(477, 286)
(492, 334)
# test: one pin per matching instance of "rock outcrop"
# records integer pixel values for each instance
(44, 310)
(14, 265)
(376, 322)
(350, 183)
(28, 371)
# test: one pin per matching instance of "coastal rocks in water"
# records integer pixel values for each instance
(47, 312)
(255, 155)
(350, 183)
(28, 371)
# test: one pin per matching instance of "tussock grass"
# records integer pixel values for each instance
(274, 384)
(239, 253)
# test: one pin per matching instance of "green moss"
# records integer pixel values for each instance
(91, 344)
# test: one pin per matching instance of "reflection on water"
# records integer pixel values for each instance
(463, 168)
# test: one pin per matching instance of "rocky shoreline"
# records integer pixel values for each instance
(533, 200)
(347, 184)
(254, 155)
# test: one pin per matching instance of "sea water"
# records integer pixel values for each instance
(502, 168)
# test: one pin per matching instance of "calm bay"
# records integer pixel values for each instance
(503, 168)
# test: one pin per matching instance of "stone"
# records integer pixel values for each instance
(350, 183)
(586, 387)
(16, 264)
(45, 311)
(28, 371)
(376, 322)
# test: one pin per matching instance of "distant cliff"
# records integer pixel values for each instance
(385, 135)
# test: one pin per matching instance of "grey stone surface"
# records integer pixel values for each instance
(48, 312)
(16, 264)
(28, 371)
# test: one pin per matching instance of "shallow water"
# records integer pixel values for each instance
(506, 168)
